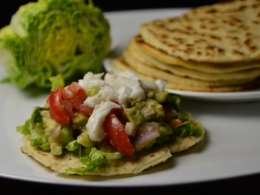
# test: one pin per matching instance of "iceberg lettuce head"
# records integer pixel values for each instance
(51, 37)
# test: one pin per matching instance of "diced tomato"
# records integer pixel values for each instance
(57, 109)
(65, 102)
(117, 135)
(86, 110)
(175, 122)
(75, 94)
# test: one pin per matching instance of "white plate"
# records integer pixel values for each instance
(126, 24)
(244, 96)
(230, 147)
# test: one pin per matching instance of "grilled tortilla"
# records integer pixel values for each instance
(126, 165)
(147, 72)
(211, 48)
(223, 32)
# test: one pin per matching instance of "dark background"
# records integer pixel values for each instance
(242, 185)
(9, 7)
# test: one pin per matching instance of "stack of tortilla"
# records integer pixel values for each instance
(213, 48)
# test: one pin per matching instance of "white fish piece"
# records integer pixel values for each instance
(91, 79)
(91, 75)
(148, 85)
(95, 121)
(121, 95)
(128, 74)
(108, 93)
(160, 83)
(105, 94)
(117, 81)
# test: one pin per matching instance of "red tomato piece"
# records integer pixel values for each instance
(86, 110)
(57, 109)
(175, 122)
(117, 135)
(75, 94)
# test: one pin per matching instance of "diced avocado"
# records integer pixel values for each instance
(148, 113)
(140, 104)
(48, 123)
(92, 90)
(165, 129)
(152, 109)
(134, 115)
(146, 144)
(144, 111)
(56, 149)
(65, 136)
(151, 94)
(79, 119)
(84, 139)
(160, 97)
(46, 146)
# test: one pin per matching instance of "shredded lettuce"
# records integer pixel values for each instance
(96, 158)
(25, 128)
(174, 101)
(183, 116)
(57, 81)
(34, 127)
(73, 146)
(187, 129)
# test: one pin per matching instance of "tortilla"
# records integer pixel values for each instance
(176, 76)
(126, 165)
(219, 33)
(140, 46)
(238, 76)
(183, 143)
(176, 82)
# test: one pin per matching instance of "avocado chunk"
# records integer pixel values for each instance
(85, 140)
(65, 136)
(164, 129)
(152, 110)
(56, 149)
(134, 115)
(92, 90)
(144, 111)
(160, 97)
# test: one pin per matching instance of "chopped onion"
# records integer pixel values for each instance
(130, 129)
(55, 133)
(146, 135)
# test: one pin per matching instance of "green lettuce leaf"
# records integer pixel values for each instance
(95, 159)
(50, 37)
(57, 81)
(25, 128)
(187, 129)
(174, 101)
